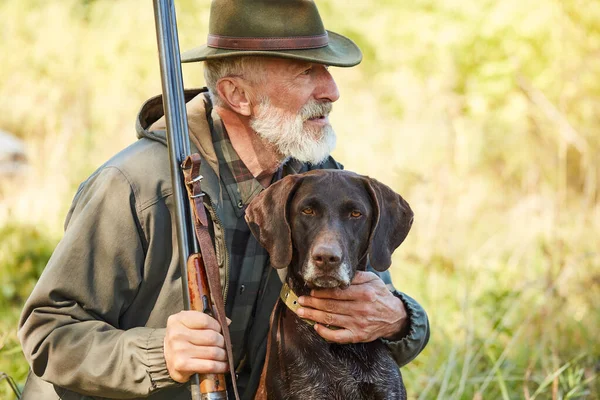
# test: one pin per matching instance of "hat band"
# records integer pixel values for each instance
(268, 43)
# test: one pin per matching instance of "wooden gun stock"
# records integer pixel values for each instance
(211, 385)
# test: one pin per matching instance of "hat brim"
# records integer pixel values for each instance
(340, 52)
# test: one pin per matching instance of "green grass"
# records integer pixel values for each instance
(12, 361)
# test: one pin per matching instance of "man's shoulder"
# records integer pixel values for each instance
(144, 165)
(142, 158)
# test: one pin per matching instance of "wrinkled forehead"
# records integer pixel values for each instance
(273, 68)
(332, 188)
(273, 64)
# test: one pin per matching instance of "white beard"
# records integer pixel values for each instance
(289, 134)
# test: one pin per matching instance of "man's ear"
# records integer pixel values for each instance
(234, 91)
(392, 219)
(267, 217)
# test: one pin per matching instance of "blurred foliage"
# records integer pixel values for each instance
(24, 252)
(484, 115)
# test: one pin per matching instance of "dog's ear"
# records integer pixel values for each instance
(267, 217)
(392, 219)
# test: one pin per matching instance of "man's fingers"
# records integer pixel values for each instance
(201, 366)
(195, 320)
(199, 337)
(339, 294)
(363, 277)
(208, 353)
(183, 368)
(341, 336)
(189, 350)
(332, 306)
(206, 337)
(325, 318)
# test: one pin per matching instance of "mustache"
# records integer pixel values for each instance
(315, 109)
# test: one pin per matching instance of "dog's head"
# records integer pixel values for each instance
(328, 222)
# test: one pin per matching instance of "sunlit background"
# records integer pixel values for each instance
(484, 115)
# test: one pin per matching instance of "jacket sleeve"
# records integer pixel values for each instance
(407, 348)
(69, 328)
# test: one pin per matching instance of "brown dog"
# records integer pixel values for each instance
(325, 225)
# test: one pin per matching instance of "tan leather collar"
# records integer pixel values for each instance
(290, 299)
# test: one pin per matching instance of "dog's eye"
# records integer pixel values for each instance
(355, 214)
(308, 211)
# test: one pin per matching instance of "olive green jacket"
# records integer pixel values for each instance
(94, 324)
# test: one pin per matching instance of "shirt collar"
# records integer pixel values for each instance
(241, 185)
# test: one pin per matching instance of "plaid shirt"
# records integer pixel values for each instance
(247, 259)
(235, 175)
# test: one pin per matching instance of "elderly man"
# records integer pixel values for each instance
(105, 318)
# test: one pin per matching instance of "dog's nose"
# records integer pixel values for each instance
(327, 255)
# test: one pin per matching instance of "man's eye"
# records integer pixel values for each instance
(307, 71)
(308, 211)
(355, 214)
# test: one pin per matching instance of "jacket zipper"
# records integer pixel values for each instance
(220, 241)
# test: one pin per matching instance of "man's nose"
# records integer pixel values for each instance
(326, 88)
(327, 255)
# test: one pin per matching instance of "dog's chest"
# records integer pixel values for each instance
(321, 370)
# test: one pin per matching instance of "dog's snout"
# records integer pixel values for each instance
(327, 255)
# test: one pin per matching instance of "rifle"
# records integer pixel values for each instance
(195, 277)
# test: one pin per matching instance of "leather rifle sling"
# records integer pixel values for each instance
(191, 172)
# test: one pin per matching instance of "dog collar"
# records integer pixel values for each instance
(290, 299)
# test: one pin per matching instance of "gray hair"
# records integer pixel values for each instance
(249, 68)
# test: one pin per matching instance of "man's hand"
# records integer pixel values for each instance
(194, 344)
(365, 311)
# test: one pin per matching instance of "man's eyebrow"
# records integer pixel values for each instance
(301, 66)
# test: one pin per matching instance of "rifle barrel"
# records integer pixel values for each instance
(177, 139)
(177, 128)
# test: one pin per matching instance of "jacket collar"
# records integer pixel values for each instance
(151, 123)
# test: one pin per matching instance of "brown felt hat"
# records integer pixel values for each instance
(277, 28)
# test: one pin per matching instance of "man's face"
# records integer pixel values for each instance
(292, 108)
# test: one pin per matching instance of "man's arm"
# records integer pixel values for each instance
(70, 329)
(407, 347)
(410, 342)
